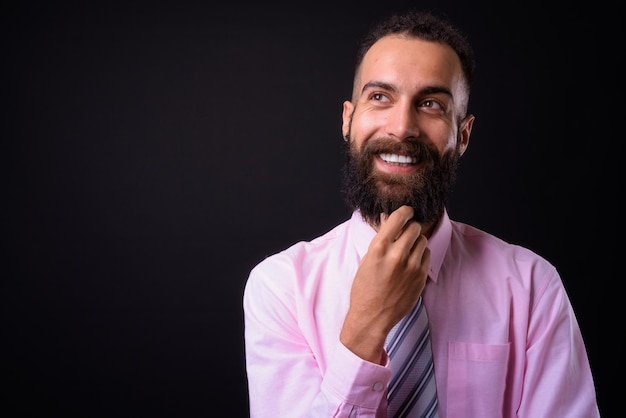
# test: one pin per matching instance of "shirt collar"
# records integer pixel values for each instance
(362, 234)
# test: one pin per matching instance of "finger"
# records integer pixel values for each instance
(395, 223)
(419, 250)
(409, 235)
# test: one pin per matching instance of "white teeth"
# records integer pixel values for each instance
(398, 159)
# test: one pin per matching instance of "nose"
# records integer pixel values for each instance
(402, 121)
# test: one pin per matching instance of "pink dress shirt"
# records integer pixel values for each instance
(505, 339)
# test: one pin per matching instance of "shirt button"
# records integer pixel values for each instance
(378, 386)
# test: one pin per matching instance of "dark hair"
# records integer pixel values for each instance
(426, 26)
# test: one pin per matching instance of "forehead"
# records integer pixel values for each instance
(400, 59)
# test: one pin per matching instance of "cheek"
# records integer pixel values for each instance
(365, 127)
(444, 137)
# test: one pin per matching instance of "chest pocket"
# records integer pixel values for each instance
(476, 379)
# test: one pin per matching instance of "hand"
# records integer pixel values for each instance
(390, 279)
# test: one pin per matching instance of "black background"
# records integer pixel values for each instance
(155, 152)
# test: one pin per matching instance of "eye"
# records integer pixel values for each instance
(432, 106)
(379, 97)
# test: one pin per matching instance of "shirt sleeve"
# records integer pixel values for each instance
(285, 377)
(558, 380)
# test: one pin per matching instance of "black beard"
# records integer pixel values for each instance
(374, 193)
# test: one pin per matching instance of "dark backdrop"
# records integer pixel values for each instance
(154, 153)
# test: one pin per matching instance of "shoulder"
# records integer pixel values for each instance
(290, 275)
(296, 255)
(496, 253)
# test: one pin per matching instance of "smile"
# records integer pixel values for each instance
(397, 159)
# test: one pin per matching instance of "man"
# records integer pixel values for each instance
(505, 341)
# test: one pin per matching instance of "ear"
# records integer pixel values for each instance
(346, 117)
(466, 130)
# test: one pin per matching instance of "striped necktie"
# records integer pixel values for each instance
(412, 391)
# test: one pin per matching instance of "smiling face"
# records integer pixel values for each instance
(406, 128)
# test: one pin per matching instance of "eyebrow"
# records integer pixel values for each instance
(386, 86)
(378, 85)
